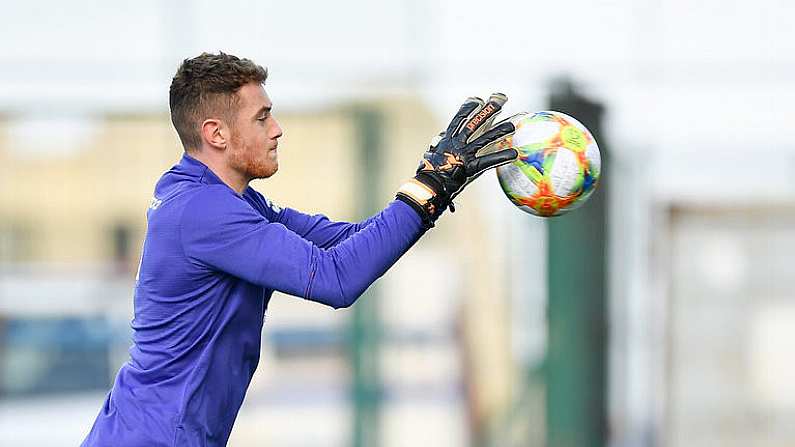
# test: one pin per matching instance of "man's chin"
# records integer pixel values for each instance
(264, 172)
(272, 171)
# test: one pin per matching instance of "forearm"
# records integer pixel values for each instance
(338, 276)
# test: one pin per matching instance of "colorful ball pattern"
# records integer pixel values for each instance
(558, 166)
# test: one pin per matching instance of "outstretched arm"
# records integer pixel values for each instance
(222, 232)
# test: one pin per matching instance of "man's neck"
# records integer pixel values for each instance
(229, 176)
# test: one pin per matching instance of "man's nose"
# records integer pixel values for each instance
(277, 130)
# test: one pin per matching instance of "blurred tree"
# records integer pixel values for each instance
(576, 358)
(365, 323)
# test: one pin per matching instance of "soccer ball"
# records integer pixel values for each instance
(558, 166)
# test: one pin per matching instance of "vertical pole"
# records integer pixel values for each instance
(576, 376)
(365, 324)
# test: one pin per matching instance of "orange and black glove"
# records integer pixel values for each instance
(452, 162)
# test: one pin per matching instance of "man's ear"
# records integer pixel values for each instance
(214, 133)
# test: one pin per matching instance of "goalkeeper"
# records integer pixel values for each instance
(215, 250)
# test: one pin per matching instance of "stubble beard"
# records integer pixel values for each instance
(251, 163)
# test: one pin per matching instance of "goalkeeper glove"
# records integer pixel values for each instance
(452, 162)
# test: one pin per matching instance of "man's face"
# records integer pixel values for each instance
(254, 135)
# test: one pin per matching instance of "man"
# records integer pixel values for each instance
(215, 250)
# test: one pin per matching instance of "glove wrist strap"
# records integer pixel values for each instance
(424, 198)
(418, 191)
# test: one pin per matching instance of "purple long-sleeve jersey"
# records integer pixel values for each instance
(211, 260)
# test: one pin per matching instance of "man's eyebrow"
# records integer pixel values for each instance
(264, 109)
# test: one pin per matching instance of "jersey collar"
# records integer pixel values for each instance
(202, 172)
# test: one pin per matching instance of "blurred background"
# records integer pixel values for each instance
(660, 314)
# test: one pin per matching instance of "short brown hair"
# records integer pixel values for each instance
(206, 87)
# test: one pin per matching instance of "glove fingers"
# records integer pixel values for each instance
(480, 164)
(486, 125)
(494, 134)
(496, 98)
(478, 122)
(470, 105)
